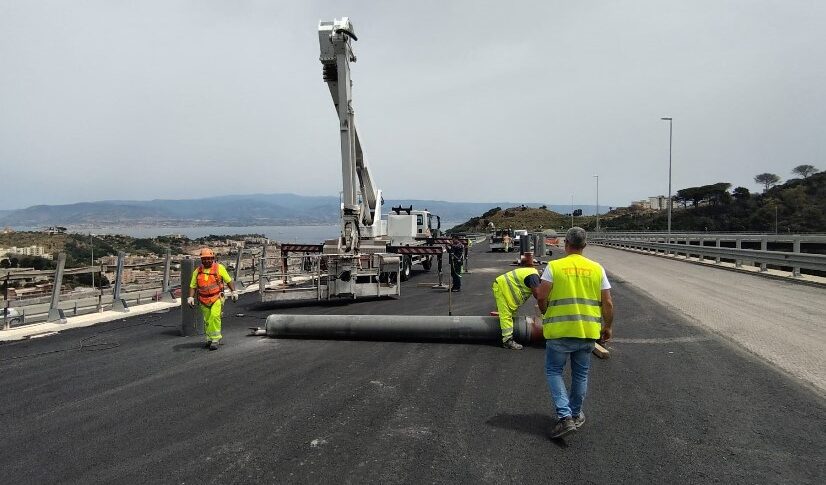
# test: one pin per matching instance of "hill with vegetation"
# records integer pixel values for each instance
(520, 217)
(799, 205)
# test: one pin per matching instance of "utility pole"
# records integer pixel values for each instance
(572, 210)
(670, 135)
(597, 177)
(92, 245)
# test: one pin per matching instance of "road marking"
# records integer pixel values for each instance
(668, 340)
(488, 270)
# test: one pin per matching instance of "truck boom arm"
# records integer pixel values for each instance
(361, 199)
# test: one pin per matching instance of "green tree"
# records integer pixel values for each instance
(804, 170)
(693, 194)
(741, 194)
(767, 180)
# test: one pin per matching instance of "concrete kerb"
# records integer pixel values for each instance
(45, 328)
(29, 331)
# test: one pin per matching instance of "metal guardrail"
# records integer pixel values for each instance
(713, 236)
(118, 297)
(795, 259)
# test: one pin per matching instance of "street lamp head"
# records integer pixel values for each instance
(666, 119)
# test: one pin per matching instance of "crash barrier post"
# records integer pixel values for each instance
(188, 321)
(56, 314)
(118, 303)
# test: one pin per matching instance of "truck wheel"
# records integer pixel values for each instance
(427, 263)
(405, 269)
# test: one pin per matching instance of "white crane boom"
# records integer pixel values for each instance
(361, 199)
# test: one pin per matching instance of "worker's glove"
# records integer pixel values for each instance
(191, 301)
(234, 296)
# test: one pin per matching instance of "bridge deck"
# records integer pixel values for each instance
(782, 322)
(675, 403)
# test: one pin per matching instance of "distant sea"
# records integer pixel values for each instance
(308, 234)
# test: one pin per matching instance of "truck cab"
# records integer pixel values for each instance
(406, 226)
(409, 227)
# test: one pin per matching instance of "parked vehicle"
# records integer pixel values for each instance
(496, 240)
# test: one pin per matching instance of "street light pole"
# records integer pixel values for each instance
(92, 245)
(572, 210)
(597, 177)
(670, 136)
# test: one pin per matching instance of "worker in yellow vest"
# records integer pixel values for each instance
(511, 290)
(575, 296)
(208, 281)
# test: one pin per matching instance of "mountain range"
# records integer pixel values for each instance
(232, 210)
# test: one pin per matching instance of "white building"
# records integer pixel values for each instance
(33, 250)
(658, 202)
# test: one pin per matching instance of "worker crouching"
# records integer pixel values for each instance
(511, 290)
(208, 282)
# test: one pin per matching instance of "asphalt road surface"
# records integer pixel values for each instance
(132, 402)
(781, 321)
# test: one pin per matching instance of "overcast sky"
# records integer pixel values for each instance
(456, 100)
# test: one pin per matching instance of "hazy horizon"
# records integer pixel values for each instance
(457, 101)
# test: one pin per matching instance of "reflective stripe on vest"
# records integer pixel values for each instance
(210, 285)
(574, 308)
(514, 281)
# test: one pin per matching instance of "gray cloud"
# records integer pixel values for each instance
(462, 101)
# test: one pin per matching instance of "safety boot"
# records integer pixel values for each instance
(207, 344)
(213, 346)
(511, 344)
(563, 427)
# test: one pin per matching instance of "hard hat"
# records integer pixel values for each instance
(207, 253)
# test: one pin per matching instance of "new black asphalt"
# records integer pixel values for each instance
(132, 402)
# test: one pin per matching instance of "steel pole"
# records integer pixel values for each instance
(118, 303)
(188, 326)
(166, 291)
(55, 313)
(670, 137)
(237, 275)
(597, 177)
(92, 245)
(398, 327)
(670, 202)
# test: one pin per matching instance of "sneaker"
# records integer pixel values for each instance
(456, 290)
(213, 346)
(579, 419)
(511, 344)
(563, 427)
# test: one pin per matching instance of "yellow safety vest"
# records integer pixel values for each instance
(574, 304)
(512, 286)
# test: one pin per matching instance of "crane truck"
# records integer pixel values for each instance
(372, 253)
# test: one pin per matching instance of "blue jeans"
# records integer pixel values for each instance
(556, 355)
